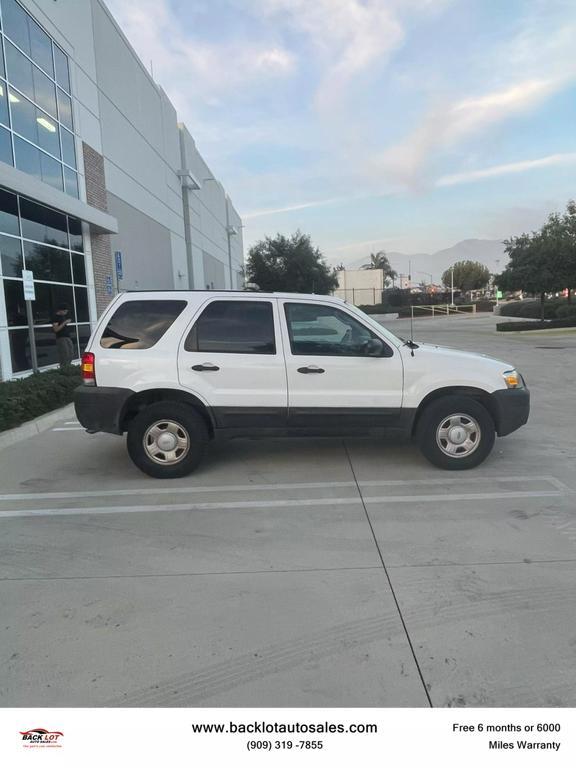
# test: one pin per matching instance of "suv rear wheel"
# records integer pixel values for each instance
(167, 439)
(456, 433)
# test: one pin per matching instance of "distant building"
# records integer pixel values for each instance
(360, 286)
(101, 189)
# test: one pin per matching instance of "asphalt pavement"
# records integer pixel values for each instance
(316, 572)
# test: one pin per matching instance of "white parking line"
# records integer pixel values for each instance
(71, 422)
(152, 490)
(68, 429)
(272, 503)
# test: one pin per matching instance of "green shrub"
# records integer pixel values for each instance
(566, 310)
(530, 308)
(25, 399)
(378, 309)
(566, 322)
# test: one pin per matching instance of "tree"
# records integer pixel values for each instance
(532, 266)
(468, 276)
(379, 260)
(289, 264)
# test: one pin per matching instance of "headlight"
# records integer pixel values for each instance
(513, 379)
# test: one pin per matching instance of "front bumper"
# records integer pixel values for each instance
(511, 408)
(100, 409)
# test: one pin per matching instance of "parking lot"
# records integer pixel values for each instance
(294, 572)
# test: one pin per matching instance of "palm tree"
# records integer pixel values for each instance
(379, 260)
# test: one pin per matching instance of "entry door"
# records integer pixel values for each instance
(337, 375)
(232, 359)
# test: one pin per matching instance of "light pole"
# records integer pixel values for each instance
(452, 286)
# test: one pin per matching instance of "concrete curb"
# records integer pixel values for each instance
(31, 428)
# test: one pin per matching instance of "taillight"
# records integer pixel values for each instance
(88, 368)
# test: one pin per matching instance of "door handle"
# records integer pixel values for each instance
(205, 367)
(311, 369)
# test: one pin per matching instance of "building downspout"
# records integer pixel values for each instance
(186, 216)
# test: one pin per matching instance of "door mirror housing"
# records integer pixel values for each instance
(374, 348)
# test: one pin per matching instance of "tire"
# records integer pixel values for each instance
(174, 432)
(456, 432)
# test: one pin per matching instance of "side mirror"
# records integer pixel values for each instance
(374, 348)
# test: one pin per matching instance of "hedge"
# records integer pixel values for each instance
(25, 399)
(531, 308)
(567, 322)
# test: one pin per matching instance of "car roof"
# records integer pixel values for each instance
(198, 294)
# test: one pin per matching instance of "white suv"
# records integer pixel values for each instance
(175, 369)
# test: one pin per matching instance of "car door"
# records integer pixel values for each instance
(340, 372)
(232, 358)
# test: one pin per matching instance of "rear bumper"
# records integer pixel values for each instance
(511, 409)
(100, 409)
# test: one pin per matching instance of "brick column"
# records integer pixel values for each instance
(101, 248)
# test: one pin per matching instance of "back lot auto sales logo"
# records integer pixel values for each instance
(40, 737)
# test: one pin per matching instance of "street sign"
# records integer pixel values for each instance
(28, 281)
(109, 285)
(118, 260)
(499, 294)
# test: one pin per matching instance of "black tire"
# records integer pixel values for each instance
(192, 426)
(436, 416)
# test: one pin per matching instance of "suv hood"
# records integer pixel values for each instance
(456, 355)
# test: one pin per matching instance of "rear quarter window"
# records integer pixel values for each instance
(140, 324)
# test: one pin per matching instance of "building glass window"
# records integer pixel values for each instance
(50, 244)
(62, 69)
(11, 256)
(5, 147)
(37, 89)
(4, 114)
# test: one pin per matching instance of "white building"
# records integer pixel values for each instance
(101, 188)
(360, 286)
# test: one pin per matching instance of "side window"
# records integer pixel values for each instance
(325, 330)
(241, 327)
(140, 324)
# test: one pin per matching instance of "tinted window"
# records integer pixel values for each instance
(15, 304)
(16, 24)
(79, 268)
(20, 350)
(48, 263)
(82, 313)
(33, 124)
(11, 256)
(48, 297)
(64, 109)
(243, 327)
(9, 213)
(140, 324)
(76, 241)
(325, 330)
(43, 224)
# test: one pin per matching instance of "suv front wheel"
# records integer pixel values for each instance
(456, 433)
(167, 440)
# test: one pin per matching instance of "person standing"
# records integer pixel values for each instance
(60, 323)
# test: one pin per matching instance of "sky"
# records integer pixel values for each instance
(403, 125)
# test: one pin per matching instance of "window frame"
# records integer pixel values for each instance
(387, 351)
(191, 338)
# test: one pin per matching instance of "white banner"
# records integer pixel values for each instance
(171, 738)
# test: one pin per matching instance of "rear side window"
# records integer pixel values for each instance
(241, 327)
(140, 324)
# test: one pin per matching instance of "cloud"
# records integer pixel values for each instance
(448, 124)
(505, 169)
(294, 207)
(190, 66)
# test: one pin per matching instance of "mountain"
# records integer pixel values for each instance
(487, 252)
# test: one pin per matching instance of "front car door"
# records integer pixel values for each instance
(232, 358)
(341, 373)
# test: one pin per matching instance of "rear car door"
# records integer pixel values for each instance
(232, 358)
(336, 375)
